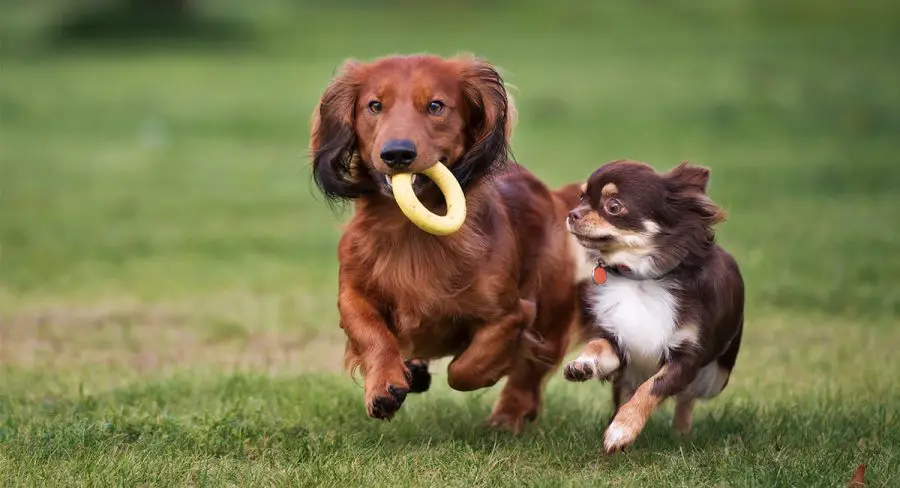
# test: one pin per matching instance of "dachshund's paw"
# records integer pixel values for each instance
(511, 422)
(505, 423)
(417, 375)
(385, 405)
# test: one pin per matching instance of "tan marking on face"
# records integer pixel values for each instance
(632, 416)
(597, 225)
(609, 190)
(593, 225)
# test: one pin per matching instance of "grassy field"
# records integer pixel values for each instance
(168, 276)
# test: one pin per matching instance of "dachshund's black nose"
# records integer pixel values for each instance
(398, 153)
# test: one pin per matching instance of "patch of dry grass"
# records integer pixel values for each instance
(127, 338)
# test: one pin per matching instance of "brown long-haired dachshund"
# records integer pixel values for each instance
(499, 295)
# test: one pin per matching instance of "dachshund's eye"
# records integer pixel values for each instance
(614, 207)
(375, 106)
(581, 197)
(435, 107)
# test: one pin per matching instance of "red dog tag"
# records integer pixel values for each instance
(599, 275)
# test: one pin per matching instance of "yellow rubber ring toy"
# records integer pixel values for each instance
(439, 225)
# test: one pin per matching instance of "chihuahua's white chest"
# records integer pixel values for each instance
(641, 314)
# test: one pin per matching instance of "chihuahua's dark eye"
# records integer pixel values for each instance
(614, 207)
(581, 197)
(375, 106)
(435, 107)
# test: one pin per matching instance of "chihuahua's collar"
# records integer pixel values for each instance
(623, 271)
(618, 270)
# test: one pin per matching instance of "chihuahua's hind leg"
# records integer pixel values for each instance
(684, 410)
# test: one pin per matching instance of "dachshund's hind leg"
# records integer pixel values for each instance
(417, 375)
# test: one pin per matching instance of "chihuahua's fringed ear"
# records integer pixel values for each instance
(687, 186)
(332, 141)
(490, 124)
(689, 175)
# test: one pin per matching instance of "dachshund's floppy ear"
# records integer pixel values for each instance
(332, 141)
(490, 124)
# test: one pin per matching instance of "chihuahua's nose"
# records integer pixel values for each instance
(575, 215)
(398, 153)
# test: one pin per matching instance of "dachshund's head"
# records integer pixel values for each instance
(404, 113)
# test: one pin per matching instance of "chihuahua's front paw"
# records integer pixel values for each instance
(584, 368)
(578, 370)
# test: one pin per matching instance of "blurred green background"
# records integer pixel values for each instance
(157, 220)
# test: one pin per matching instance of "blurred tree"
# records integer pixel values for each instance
(122, 20)
(172, 6)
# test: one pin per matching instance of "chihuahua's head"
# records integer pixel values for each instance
(632, 216)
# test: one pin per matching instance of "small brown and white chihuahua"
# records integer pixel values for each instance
(664, 314)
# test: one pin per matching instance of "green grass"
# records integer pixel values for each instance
(168, 275)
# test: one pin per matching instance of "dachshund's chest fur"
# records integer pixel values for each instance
(641, 315)
(432, 291)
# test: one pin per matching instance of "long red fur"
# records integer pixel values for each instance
(500, 294)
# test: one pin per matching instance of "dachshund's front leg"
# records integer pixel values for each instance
(492, 351)
(386, 376)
